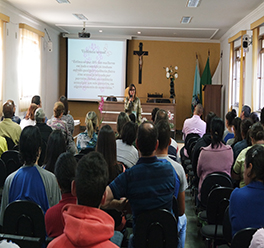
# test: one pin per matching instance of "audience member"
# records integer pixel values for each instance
(125, 151)
(88, 138)
(247, 203)
(65, 172)
(30, 182)
(254, 117)
(237, 132)
(229, 132)
(132, 117)
(257, 137)
(257, 239)
(106, 145)
(85, 224)
(163, 128)
(153, 114)
(122, 119)
(14, 117)
(45, 132)
(215, 157)
(245, 112)
(146, 177)
(56, 123)
(262, 116)
(66, 116)
(29, 119)
(3, 145)
(8, 128)
(36, 99)
(55, 147)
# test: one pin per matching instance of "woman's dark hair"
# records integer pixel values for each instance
(257, 132)
(217, 131)
(245, 127)
(129, 133)
(230, 116)
(130, 88)
(106, 145)
(208, 119)
(64, 100)
(29, 144)
(262, 116)
(56, 145)
(255, 156)
(254, 117)
(237, 130)
(122, 119)
(65, 171)
(153, 114)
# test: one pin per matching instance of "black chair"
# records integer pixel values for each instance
(25, 218)
(12, 162)
(243, 238)
(218, 201)
(156, 229)
(2, 173)
(227, 227)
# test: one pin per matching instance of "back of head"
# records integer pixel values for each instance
(55, 146)
(237, 129)
(91, 179)
(247, 110)
(198, 109)
(39, 115)
(230, 116)
(129, 133)
(122, 119)
(91, 122)
(255, 156)
(257, 132)
(31, 111)
(161, 115)
(217, 131)
(262, 116)
(164, 132)
(153, 113)
(245, 127)
(209, 118)
(65, 171)
(254, 117)
(58, 109)
(147, 138)
(29, 144)
(64, 100)
(12, 102)
(132, 117)
(8, 110)
(36, 99)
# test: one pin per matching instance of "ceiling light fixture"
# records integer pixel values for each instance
(81, 17)
(186, 19)
(193, 3)
(139, 32)
(100, 31)
(63, 1)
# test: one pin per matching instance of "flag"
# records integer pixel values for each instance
(196, 87)
(217, 77)
(206, 76)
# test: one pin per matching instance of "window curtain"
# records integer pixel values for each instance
(29, 65)
(255, 26)
(3, 20)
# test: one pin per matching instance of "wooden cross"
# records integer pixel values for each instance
(140, 54)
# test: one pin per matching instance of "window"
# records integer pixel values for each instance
(29, 68)
(260, 79)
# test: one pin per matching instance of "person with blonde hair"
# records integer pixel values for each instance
(88, 138)
(29, 119)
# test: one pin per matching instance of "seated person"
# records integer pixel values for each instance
(30, 182)
(229, 132)
(247, 203)
(122, 119)
(237, 133)
(85, 224)
(14, 117)
(125, 151)
(29, 119)
(65, 172)
(66, 116)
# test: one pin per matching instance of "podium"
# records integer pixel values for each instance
(212, 99)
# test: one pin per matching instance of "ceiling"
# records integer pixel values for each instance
(155, 19)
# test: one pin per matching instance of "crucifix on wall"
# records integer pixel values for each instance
(140, 54)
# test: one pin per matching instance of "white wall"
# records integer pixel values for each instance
(244, 24)
(49, 63)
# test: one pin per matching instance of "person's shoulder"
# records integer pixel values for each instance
(45, 172)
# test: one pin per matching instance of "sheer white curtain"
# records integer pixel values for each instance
(29, 72)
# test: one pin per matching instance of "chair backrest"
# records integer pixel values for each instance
(12, 162)
(243, 238)
(2, 173)
(24, 218)
(156, 229)
(10, 143)
(212, 181)
(227, 227)
(175, 207)
(190, 141)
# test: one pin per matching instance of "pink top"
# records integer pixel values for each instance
(213, 160)
(193, 125)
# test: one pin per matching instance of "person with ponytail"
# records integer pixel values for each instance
(247, 203)
(256, 135)
(88, 138)
(229, 132)
(217, 157)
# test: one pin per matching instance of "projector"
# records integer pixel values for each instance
(84, 35)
